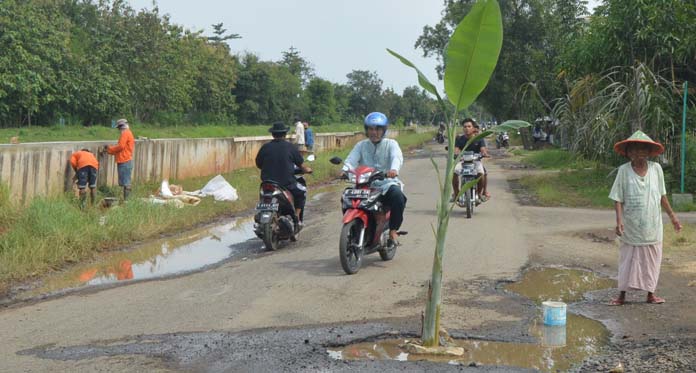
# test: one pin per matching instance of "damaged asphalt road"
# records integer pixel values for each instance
(280, 311)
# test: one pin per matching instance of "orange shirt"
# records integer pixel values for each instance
(124, 149)
(82, 158)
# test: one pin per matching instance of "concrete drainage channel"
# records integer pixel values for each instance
(375, 346)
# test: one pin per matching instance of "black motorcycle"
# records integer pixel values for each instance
(276, 219)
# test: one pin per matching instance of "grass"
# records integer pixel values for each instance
(579, 182)
(576, 188)
(52, 232)
(95, 133)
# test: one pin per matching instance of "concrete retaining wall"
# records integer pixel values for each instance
(43, 169)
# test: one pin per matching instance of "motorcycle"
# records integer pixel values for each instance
(440, 137)
(276, 219)
(502, 140)
(365, 219)
(469, 198)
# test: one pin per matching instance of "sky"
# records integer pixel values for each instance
(335, 36)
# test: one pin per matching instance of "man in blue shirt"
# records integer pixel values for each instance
(383, 155)
(309, 137)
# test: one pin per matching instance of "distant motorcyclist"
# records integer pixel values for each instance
(384, 155)
(277, 160)
(479, 146)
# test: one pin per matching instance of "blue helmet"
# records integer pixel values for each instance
(376, 119)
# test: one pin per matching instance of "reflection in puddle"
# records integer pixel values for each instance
(197, 249)
(558, 284)
(558, 348)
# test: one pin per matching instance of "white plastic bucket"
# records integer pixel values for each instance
(554, 313)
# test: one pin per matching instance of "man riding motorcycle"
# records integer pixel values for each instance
(277, 160)
(470, 130)
(384, 155)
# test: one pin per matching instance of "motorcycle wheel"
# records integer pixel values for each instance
(348, 250)
(270, 238)
(469, 203)
(387, 253)
(506, 144)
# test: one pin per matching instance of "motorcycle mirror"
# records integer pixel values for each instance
(310, 158)
(336, 160)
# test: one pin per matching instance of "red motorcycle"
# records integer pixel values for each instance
(365, 219)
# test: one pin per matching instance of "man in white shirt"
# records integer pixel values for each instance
(299, 134)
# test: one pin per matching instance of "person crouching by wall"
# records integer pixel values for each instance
(85, 165)
(123, 151)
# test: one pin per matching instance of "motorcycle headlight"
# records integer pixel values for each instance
(364, 177)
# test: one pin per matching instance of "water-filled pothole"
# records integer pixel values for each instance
(174, 255)
(559, 348)
(558, 284)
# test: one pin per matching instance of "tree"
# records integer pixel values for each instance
(365, 91)
(297, 65)
(533, 30)
(220, 35)
(321, 101)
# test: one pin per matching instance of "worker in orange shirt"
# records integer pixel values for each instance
(123, 151)
(85, 165)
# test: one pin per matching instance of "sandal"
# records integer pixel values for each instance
(655, 300)
(617, 302)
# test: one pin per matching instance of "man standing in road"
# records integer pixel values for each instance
(277, 160)
(123, 151)
(384, 155)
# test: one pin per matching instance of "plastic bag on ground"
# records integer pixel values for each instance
(217, 187)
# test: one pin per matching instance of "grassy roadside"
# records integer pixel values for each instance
(95, 133)
(51, 233)
(578, 182)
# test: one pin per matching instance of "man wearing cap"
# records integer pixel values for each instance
(277, 160)
(638, 193)
(85, 165)
(123, 151)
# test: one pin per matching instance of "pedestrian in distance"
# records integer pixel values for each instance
(299, 134)
(638, 194)
(123, 151)
(309, 137)
(85, 165)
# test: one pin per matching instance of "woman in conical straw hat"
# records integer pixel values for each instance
(639, 194)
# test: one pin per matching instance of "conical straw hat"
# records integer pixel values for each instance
(639, 137)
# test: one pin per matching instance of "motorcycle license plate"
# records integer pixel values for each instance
(267, 206)
(357, 193)
(467, 171)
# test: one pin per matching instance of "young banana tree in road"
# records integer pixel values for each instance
(471, 56)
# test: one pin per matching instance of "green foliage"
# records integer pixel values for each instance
(321, 102)
(576, 188)
(472, 54)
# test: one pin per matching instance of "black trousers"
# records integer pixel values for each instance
(395, 200)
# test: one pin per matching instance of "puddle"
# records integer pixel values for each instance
(558, 348)
(558, 284)
(174, 255)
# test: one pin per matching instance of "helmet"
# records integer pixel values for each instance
(376, 119)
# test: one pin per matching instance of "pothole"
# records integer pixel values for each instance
(558, 284)
(193, 251)
(557, 348)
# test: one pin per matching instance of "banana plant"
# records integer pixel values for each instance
(470, 59)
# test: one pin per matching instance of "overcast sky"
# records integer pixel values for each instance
(335, 36)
